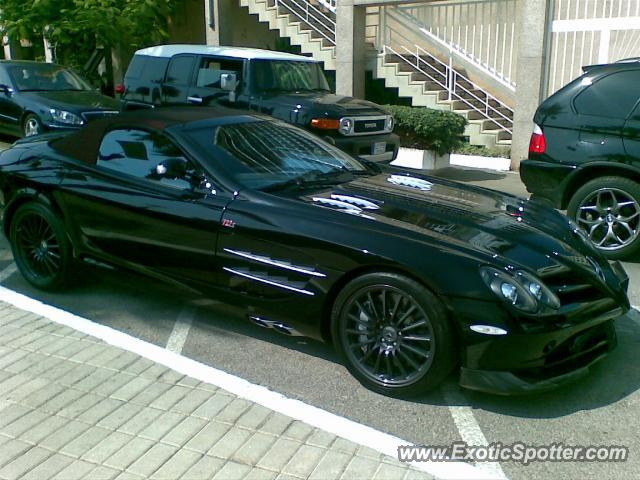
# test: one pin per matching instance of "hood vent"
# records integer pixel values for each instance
(340, 205)
(412, 182)
(358, 202)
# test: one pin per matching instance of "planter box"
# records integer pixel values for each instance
(420, 159)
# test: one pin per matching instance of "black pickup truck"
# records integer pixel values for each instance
(290, 87)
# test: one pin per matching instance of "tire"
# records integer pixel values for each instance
(31, 125)
(380, 350)
(608, 209)
(40, 246)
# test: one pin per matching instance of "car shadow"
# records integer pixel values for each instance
(156, 305)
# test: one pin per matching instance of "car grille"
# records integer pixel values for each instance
(571, 288)
(368, 125)
(90, 116)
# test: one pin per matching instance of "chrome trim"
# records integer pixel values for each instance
(15, 119)
(268, 282)
(365, 118)
(274, 263)
(411, 182)
(357, 201)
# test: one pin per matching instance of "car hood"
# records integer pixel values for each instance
(76, 102)
(329, 103)
(461, 217)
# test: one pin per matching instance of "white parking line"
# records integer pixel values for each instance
(181, 329)
(468, 427)
(8, 271)
(314, 416)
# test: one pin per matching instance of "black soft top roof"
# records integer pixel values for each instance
(83, 145)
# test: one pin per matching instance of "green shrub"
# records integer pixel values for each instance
(467, 149)
(428, 129)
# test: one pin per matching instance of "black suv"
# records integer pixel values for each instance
(290, 87)
(584, 155)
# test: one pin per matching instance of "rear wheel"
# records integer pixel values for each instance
(393, 334)
(608, 209)
(31, 125)
(40, 246)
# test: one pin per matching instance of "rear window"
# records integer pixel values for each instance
(147, 68)
(613, 96)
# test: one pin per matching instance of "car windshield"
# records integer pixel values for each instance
(268, 155)
(286, 75)
(45, 77)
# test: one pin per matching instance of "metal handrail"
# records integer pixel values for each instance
(312, 17)
(458, 51)
(451, 84)
(328, 4)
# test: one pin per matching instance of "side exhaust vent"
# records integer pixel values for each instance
(277, 326)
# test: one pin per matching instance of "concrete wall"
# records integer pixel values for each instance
(235, 26)
(187, 24)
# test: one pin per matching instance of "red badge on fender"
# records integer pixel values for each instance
(227, 222)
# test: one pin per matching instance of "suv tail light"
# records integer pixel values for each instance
(120, 88)
(538, 143)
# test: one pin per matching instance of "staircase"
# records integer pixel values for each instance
(417, 74)
(311, 26)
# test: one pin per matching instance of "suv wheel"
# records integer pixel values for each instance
(608, 209)
(31, 125)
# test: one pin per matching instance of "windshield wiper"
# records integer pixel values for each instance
(312, 178)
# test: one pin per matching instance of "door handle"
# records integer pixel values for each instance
(194, 99)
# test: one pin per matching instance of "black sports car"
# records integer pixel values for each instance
(36, 97)
(409, 276)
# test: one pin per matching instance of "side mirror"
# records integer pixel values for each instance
(172, 168)
(228, 82)
(6, 89)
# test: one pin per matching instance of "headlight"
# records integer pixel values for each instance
(68, 118)
(539, 290)
(389, 123)
(346, 124)
(522, 290)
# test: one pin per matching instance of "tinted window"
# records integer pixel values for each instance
(136, 66)
(180, 70)
(613, 96)
(45, 77)
(4, 77)
(147, 155)
(287, 75)
(211, 69)
(150, 69)
(260, 154)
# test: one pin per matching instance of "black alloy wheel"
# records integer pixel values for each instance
(40, 246)
(608, 210)
(31, 126)
(393, 334)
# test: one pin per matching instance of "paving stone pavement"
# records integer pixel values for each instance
(74, 407)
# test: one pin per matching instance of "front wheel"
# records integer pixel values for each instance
(393, 334)
(31, 126)
(40, 246)
(608, 209)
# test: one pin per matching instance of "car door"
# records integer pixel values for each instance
(136, 207)
(632, 135)
(10, 111)
(175, 88)
(602, 111)
(206, 87)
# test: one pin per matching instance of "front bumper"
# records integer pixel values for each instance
(364, 146)
(568, 361)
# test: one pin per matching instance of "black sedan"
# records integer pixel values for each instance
(36, 96)
(409, 276)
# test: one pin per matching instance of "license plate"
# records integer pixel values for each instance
(379, 148)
